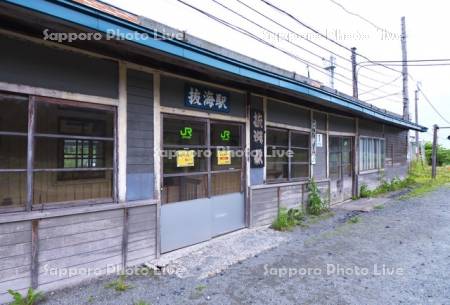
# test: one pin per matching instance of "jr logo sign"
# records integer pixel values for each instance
(186, 133)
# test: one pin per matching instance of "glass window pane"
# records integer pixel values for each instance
(227, 159)
(68, 153)
(225, 183)
(277, 154)
(13, 113)
(277, 137)
(13, 190)
(177, 161)
(299, 140)
(300, 155)
(184, 132)
(299, 170)
(13, 152)
(53, 187)
(277, 171)
(60, 119)
(184, 188)
(223, 134)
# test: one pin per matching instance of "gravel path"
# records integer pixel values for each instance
(396, 255)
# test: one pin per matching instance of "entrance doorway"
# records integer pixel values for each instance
(341, 168)
(203, 180)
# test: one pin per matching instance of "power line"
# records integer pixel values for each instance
(294, 44)
(413, 60)
(419, 65)
(255, 37)
(432, 106)
(385, 84)
(249, 34)
(323, 35)
(298, 35)
(387, 95)
(357, 15)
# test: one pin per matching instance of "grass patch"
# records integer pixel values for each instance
(422, 182)
(287, 219)
(141, 302)
(418, 180)
(31, 298)
(119, 285)
(354, 219)
(379, 207)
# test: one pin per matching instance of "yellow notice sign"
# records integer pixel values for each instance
(185, 158)
(223, 157)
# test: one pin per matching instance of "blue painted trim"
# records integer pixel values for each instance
(99, 21)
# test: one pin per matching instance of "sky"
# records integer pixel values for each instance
(377, 38)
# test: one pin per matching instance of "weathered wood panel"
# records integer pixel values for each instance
(139, 135)
(15, 257)
(74, 248)
(141, 235)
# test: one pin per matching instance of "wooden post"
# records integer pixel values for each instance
(434, 152)
(122, 133)
(157, 148)
(34, 253)
(30, 150)
(125, 239)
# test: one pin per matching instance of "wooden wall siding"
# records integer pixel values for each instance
(89, 245)
(341, 124)
(141, 235)
(396, 146)
(79, 242)
(15, 257)
(53, 68)
(139, 135)
(266, 201)
(172, 95)
(370, 128)
(283, 113)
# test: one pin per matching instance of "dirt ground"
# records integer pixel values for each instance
(396, 254)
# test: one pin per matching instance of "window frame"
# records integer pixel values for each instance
(289, 159)
(374, 160)
(31, 134)
(207, 146)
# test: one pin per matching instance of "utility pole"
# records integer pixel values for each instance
(434, 151)
(354, 77)
(405, 72)
(330, 68)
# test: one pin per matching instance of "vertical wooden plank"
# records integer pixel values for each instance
(355, 179)
(122, 134)
(265, 138)
(311, 166)
(249, 215)
(157, 147)
(328, 146)
(115, 173)
(30, 150)
(278, 199)
(34, 254)
(247, 159)
(125, 239)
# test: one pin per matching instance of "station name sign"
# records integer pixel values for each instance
(206, 99)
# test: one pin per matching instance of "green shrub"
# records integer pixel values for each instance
(31, 298)
(316, 205)
(364, 191)
(284, 221)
